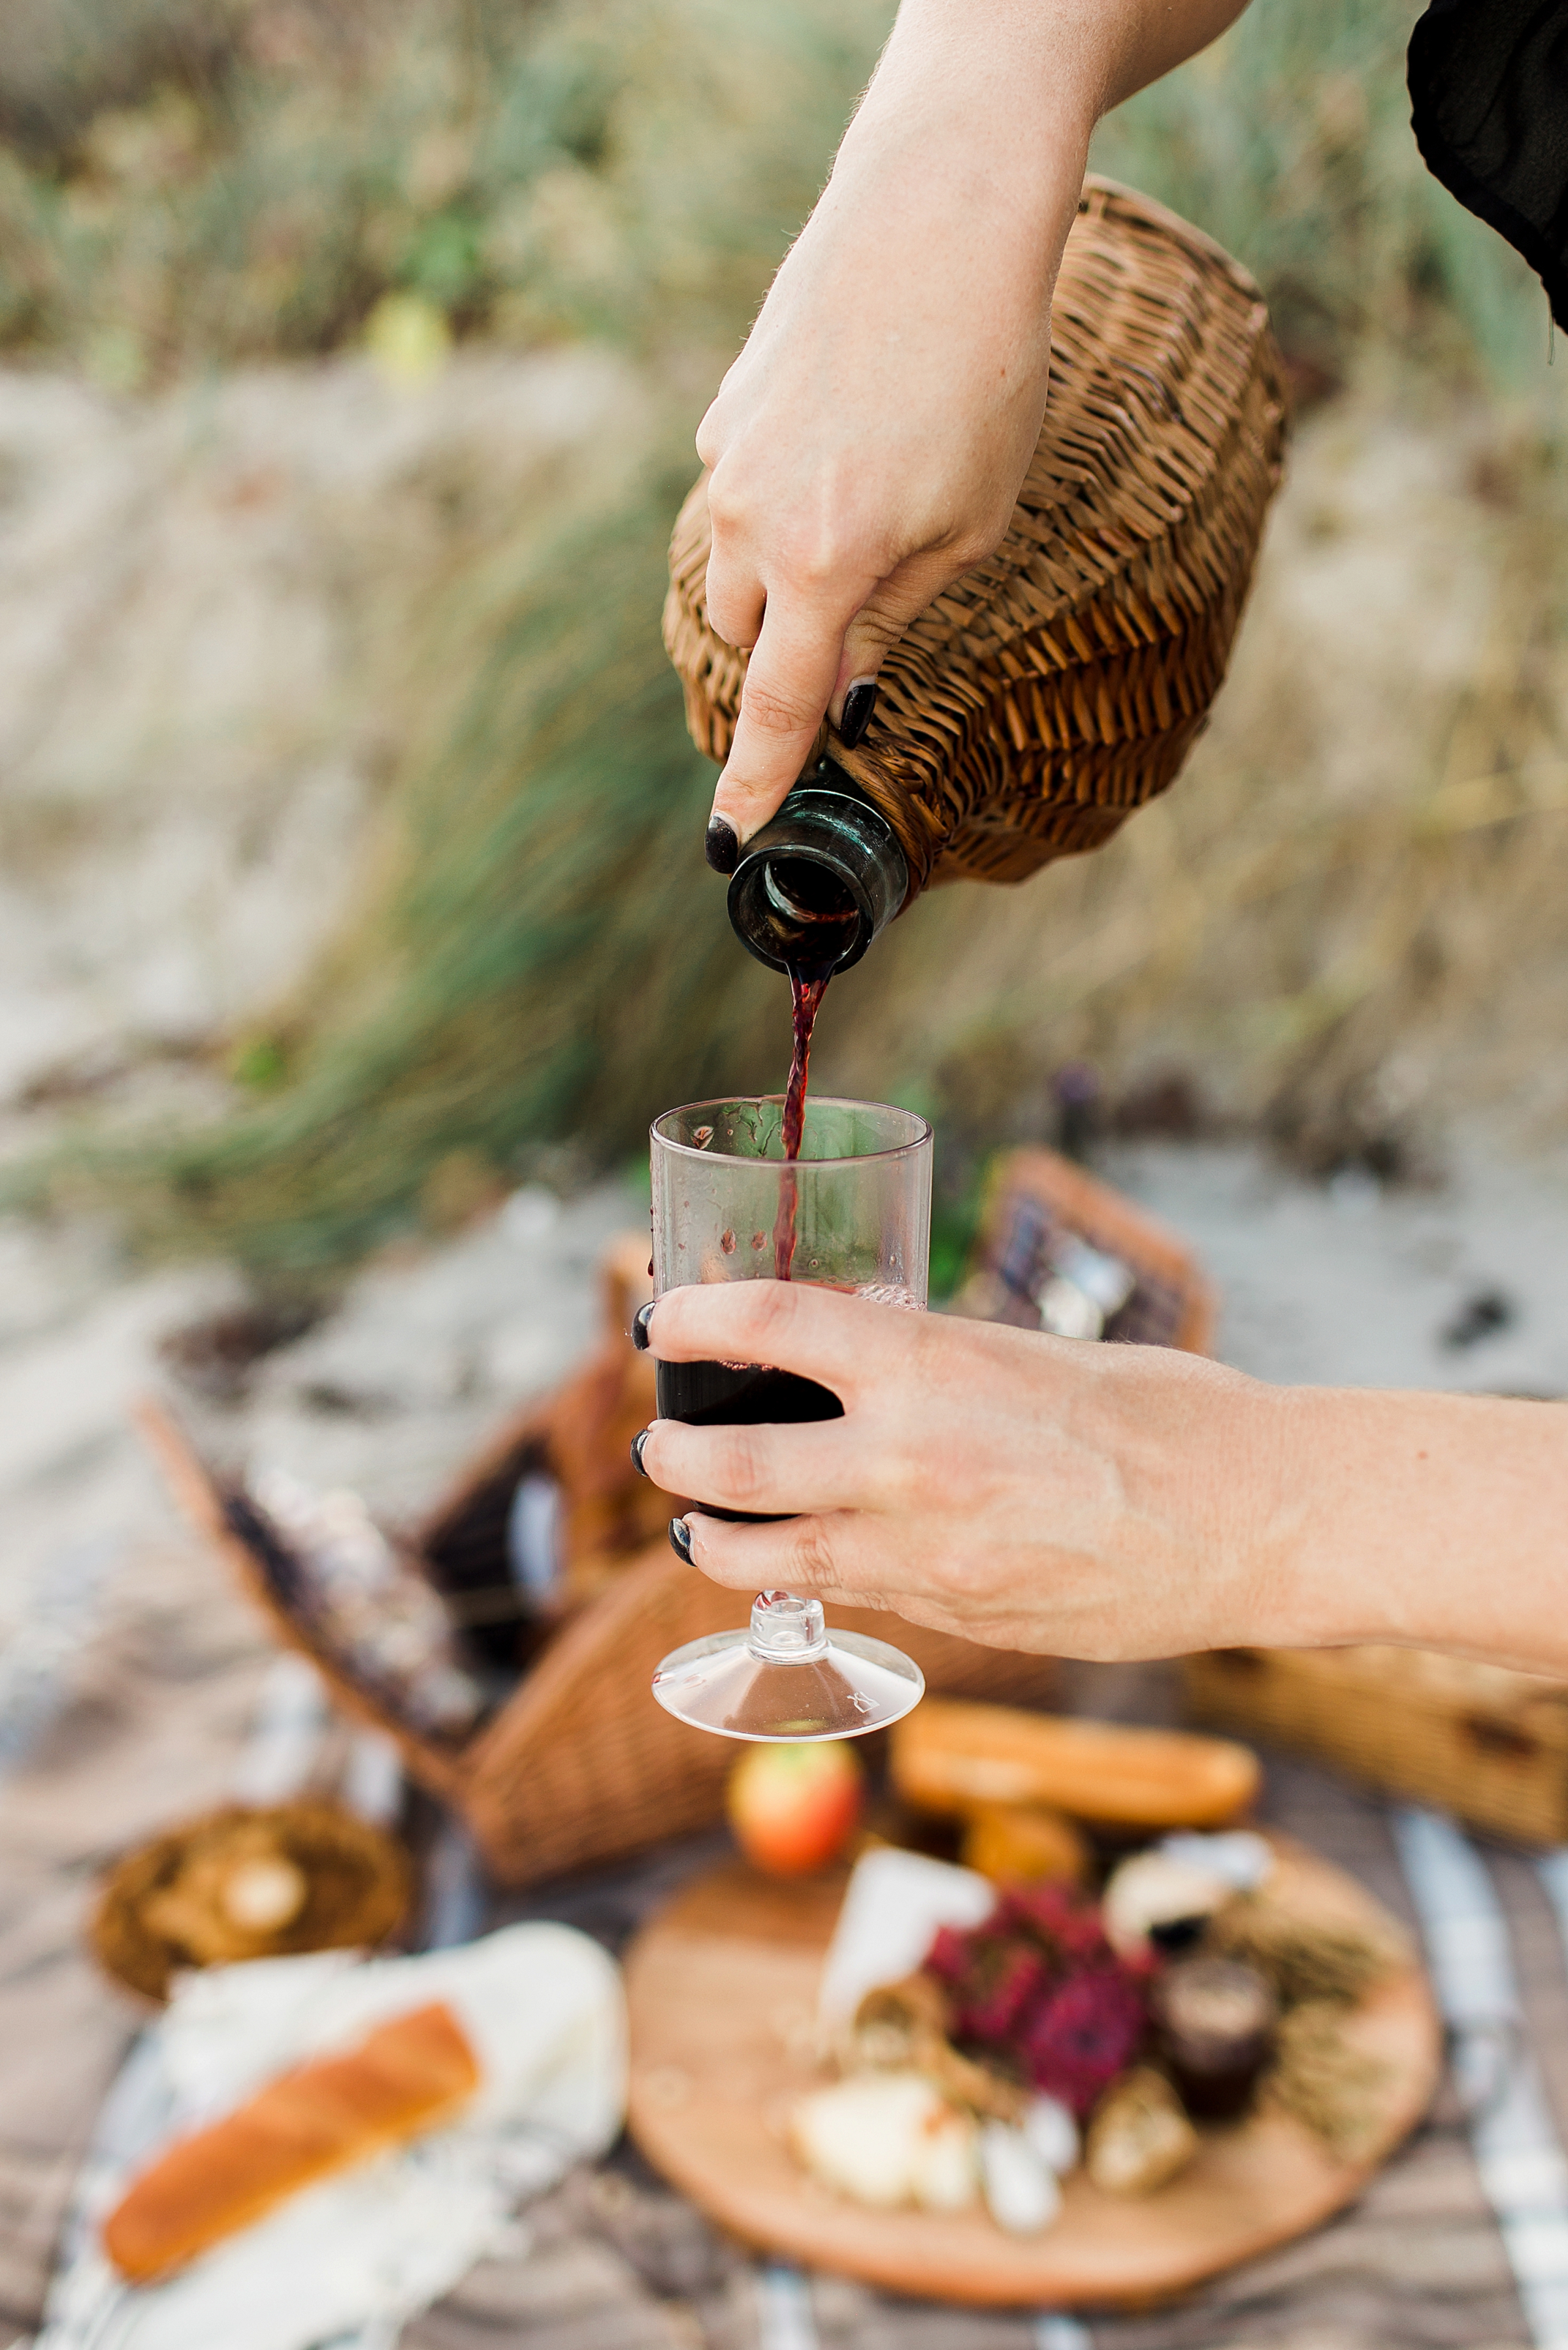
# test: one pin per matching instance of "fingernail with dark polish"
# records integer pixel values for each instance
(638, 1442)
(680, 1539)
(860, 703)
(640, 1322)
(721, 845)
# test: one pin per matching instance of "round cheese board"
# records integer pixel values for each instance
(721, 1988)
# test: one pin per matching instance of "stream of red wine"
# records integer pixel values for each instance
(724, 1394)
(805, 1001)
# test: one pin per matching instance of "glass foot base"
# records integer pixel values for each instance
(788, 1678)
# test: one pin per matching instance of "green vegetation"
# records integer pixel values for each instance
(185, 186)
(1290, 142)
(182, 188)
(547, 962)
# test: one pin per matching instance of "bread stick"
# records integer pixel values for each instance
(950, 1757)
(318, 2118)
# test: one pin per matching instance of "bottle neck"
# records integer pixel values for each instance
(819, 881)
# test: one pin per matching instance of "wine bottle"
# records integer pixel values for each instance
(818, 881)
(1059, 684)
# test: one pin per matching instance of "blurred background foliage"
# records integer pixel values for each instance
(542, 961)
(189, 182)
(1290, 142)
(195, 184)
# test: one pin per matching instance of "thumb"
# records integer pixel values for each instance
(879, 625)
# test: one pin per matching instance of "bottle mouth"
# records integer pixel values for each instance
(811, 918)
(818, 881)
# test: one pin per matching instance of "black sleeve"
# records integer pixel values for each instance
(1488, 100)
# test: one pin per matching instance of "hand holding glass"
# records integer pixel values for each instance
(853, 1213)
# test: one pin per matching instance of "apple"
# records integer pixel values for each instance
(795, 1808)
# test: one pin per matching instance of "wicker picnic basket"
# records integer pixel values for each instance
(578, 1765)
(1035, 1198)
(1060, 684)
(1485, 1742)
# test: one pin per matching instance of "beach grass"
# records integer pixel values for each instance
(544, 963)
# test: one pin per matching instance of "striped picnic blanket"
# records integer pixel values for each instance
(1462, 2241)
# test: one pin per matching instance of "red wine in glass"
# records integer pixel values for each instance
(860, 1209)
(711, 1394)
(744, 1395)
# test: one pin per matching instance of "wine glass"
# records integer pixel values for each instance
(852, 1212)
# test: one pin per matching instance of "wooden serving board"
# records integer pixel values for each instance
(721, 1988)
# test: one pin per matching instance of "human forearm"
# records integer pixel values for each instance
(977, 121)
(1424, 1521)
(868, 444)
(1035, 61)
(1118, 1502)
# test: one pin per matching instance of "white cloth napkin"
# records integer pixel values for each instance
(543, 2008)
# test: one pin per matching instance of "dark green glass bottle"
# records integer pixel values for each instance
(817, 883)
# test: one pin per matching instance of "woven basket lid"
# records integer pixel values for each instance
(1058, 685)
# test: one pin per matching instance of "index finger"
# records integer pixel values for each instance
(790, 679)
(841, 1341)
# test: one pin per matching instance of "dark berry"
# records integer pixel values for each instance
(1082, 2035)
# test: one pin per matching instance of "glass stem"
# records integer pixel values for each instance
(786, 1629)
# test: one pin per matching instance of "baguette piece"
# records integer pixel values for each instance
(951, 1758)
(316, 2119)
